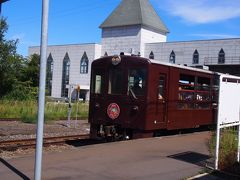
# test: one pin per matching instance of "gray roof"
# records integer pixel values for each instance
(135, 12)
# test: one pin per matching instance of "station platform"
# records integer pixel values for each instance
(168, 157)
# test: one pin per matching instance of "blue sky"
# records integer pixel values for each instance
(77, 21)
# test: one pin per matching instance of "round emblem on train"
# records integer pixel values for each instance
(113, 111)
(116, 60)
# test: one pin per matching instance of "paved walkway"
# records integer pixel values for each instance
(175, 157)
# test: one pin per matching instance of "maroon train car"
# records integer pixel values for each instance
(135, 97)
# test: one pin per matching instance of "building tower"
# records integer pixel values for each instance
(132, 24)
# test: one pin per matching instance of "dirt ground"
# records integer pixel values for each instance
(10, 130)
(13, 130)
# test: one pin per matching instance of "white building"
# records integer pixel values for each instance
(134, 27)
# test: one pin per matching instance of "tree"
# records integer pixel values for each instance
(32, 70)
(19, 77)
(10, 62)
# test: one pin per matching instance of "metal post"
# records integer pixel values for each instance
(217, 147)
(69, 106)
(77, 109)
(238, 155)
(42, 84)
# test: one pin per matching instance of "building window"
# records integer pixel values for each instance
(49, 75)
(105, 54)
(84, 64)
(151, 55)
(65, 75)
(195, 57)
(221, 57)
(172, 57)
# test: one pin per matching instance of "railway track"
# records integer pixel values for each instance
(13, 145)
(10, 119)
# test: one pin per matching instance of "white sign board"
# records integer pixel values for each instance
(229, 101)
(228, 108)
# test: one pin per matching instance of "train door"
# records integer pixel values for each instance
(161, 99)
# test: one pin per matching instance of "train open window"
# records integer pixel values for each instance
(186, 87)
(204, 105)
(137, 81)
(203, 89)
(184, 105)
(202, 93)
(161, 87)
(194, 92)
(115, 85)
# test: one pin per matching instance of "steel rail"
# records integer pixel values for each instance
(27, 143)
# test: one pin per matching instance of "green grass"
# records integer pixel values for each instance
(27, 110)
(228, 147)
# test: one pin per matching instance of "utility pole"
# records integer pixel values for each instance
(1, 2)
(42, 86)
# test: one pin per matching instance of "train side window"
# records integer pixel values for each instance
(194, 92)
(202, 93)
(161, 87)
(186, 87)
(115, 85)
(203, 89)
(137, 81)
(186, 82)
(186, 92)
(98, 84)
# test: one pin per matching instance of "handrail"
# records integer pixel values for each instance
(227, 60)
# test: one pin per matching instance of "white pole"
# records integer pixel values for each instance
(69, 106)
(217, 147)
(78, 92)
(218, 126)
(41, 97)
(238, 155)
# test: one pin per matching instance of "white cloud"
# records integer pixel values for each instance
(204, 11)
(215, 36)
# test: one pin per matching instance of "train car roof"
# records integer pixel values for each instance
(194, 69)
(181, 66)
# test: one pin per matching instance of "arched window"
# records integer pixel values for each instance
(84, 64)
(221, 57)
(65, 75)
(49, 74)
(172, 57)
(195, 57)
(106, 54)
(151, 55)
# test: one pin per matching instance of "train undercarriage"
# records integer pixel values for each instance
(116, 132)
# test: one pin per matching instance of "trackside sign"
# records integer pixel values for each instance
(229, 101)
(228, 108)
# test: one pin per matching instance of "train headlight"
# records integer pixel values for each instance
(116, 60)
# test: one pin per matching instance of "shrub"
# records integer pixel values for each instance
(227, 148)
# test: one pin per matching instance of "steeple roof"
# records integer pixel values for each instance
(135, 12)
